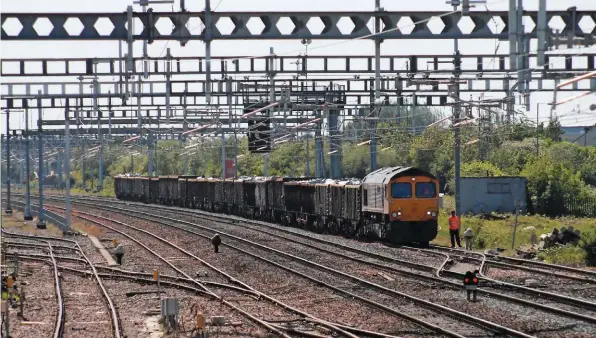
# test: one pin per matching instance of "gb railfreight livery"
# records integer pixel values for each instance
(398, 204)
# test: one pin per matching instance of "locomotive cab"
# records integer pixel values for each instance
(402, 203)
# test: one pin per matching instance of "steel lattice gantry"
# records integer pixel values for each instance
(290, 65)
(330, 22)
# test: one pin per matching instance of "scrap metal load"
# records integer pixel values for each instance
(398, 204)
(562, 237)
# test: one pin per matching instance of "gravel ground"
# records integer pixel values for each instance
(300, 293)
(568, 287)
(372, 247)
(87, 314)
(139, 313)
(41, 305)
(493, 307)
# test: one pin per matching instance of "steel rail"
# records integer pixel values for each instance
(248, 315)
(19, 254)
(215, 284)
(59, 326)
(525, 261)
(262, 223)
(436, 307)
(287, 307)
(444, 280)
(551, 295)
(558, 297)
(116, 325)
(438, 271)
(555, 296)
(415, 265)
(374, 304)
(280, 303)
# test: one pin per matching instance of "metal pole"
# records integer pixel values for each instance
(96, 110)
(520, 50)
(517, 205)
(456, 135)
(231, 116)
(8, 209)
(21, 165)
(373, 125)
(183, 140)
(59, 168)
(223, 151)
(41, 224)
(139, 119)
(27, 214)
(541, 28)
(307, 174)
(145, 55)
(537, 143)
(208, 51)
(271, 100)
(318, 148)
(150, 150)
(513, 20)
(84, 164)
(168, 84)
(67, 166)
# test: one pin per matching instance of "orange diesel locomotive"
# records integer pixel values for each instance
(401, 203)
(398, 205)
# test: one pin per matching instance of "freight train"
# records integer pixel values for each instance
(397, 204)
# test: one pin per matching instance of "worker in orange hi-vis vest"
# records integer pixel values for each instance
(454, 230)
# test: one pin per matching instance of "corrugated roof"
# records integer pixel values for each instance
(384, 175)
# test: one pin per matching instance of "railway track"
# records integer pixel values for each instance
(75, 246)
(574, 307)
(394, 293)
(67, 301)
(58, 330)
(318, 322)
(528, 265)
(312, 237)
(570, 288)
(101, 220)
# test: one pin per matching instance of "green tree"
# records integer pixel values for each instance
(549, 183)
(554, 131)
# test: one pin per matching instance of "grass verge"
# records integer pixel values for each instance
(490, 234)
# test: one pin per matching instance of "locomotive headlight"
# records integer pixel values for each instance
(399, 213)
(428, 212)
(433, 214)
(394, 214)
